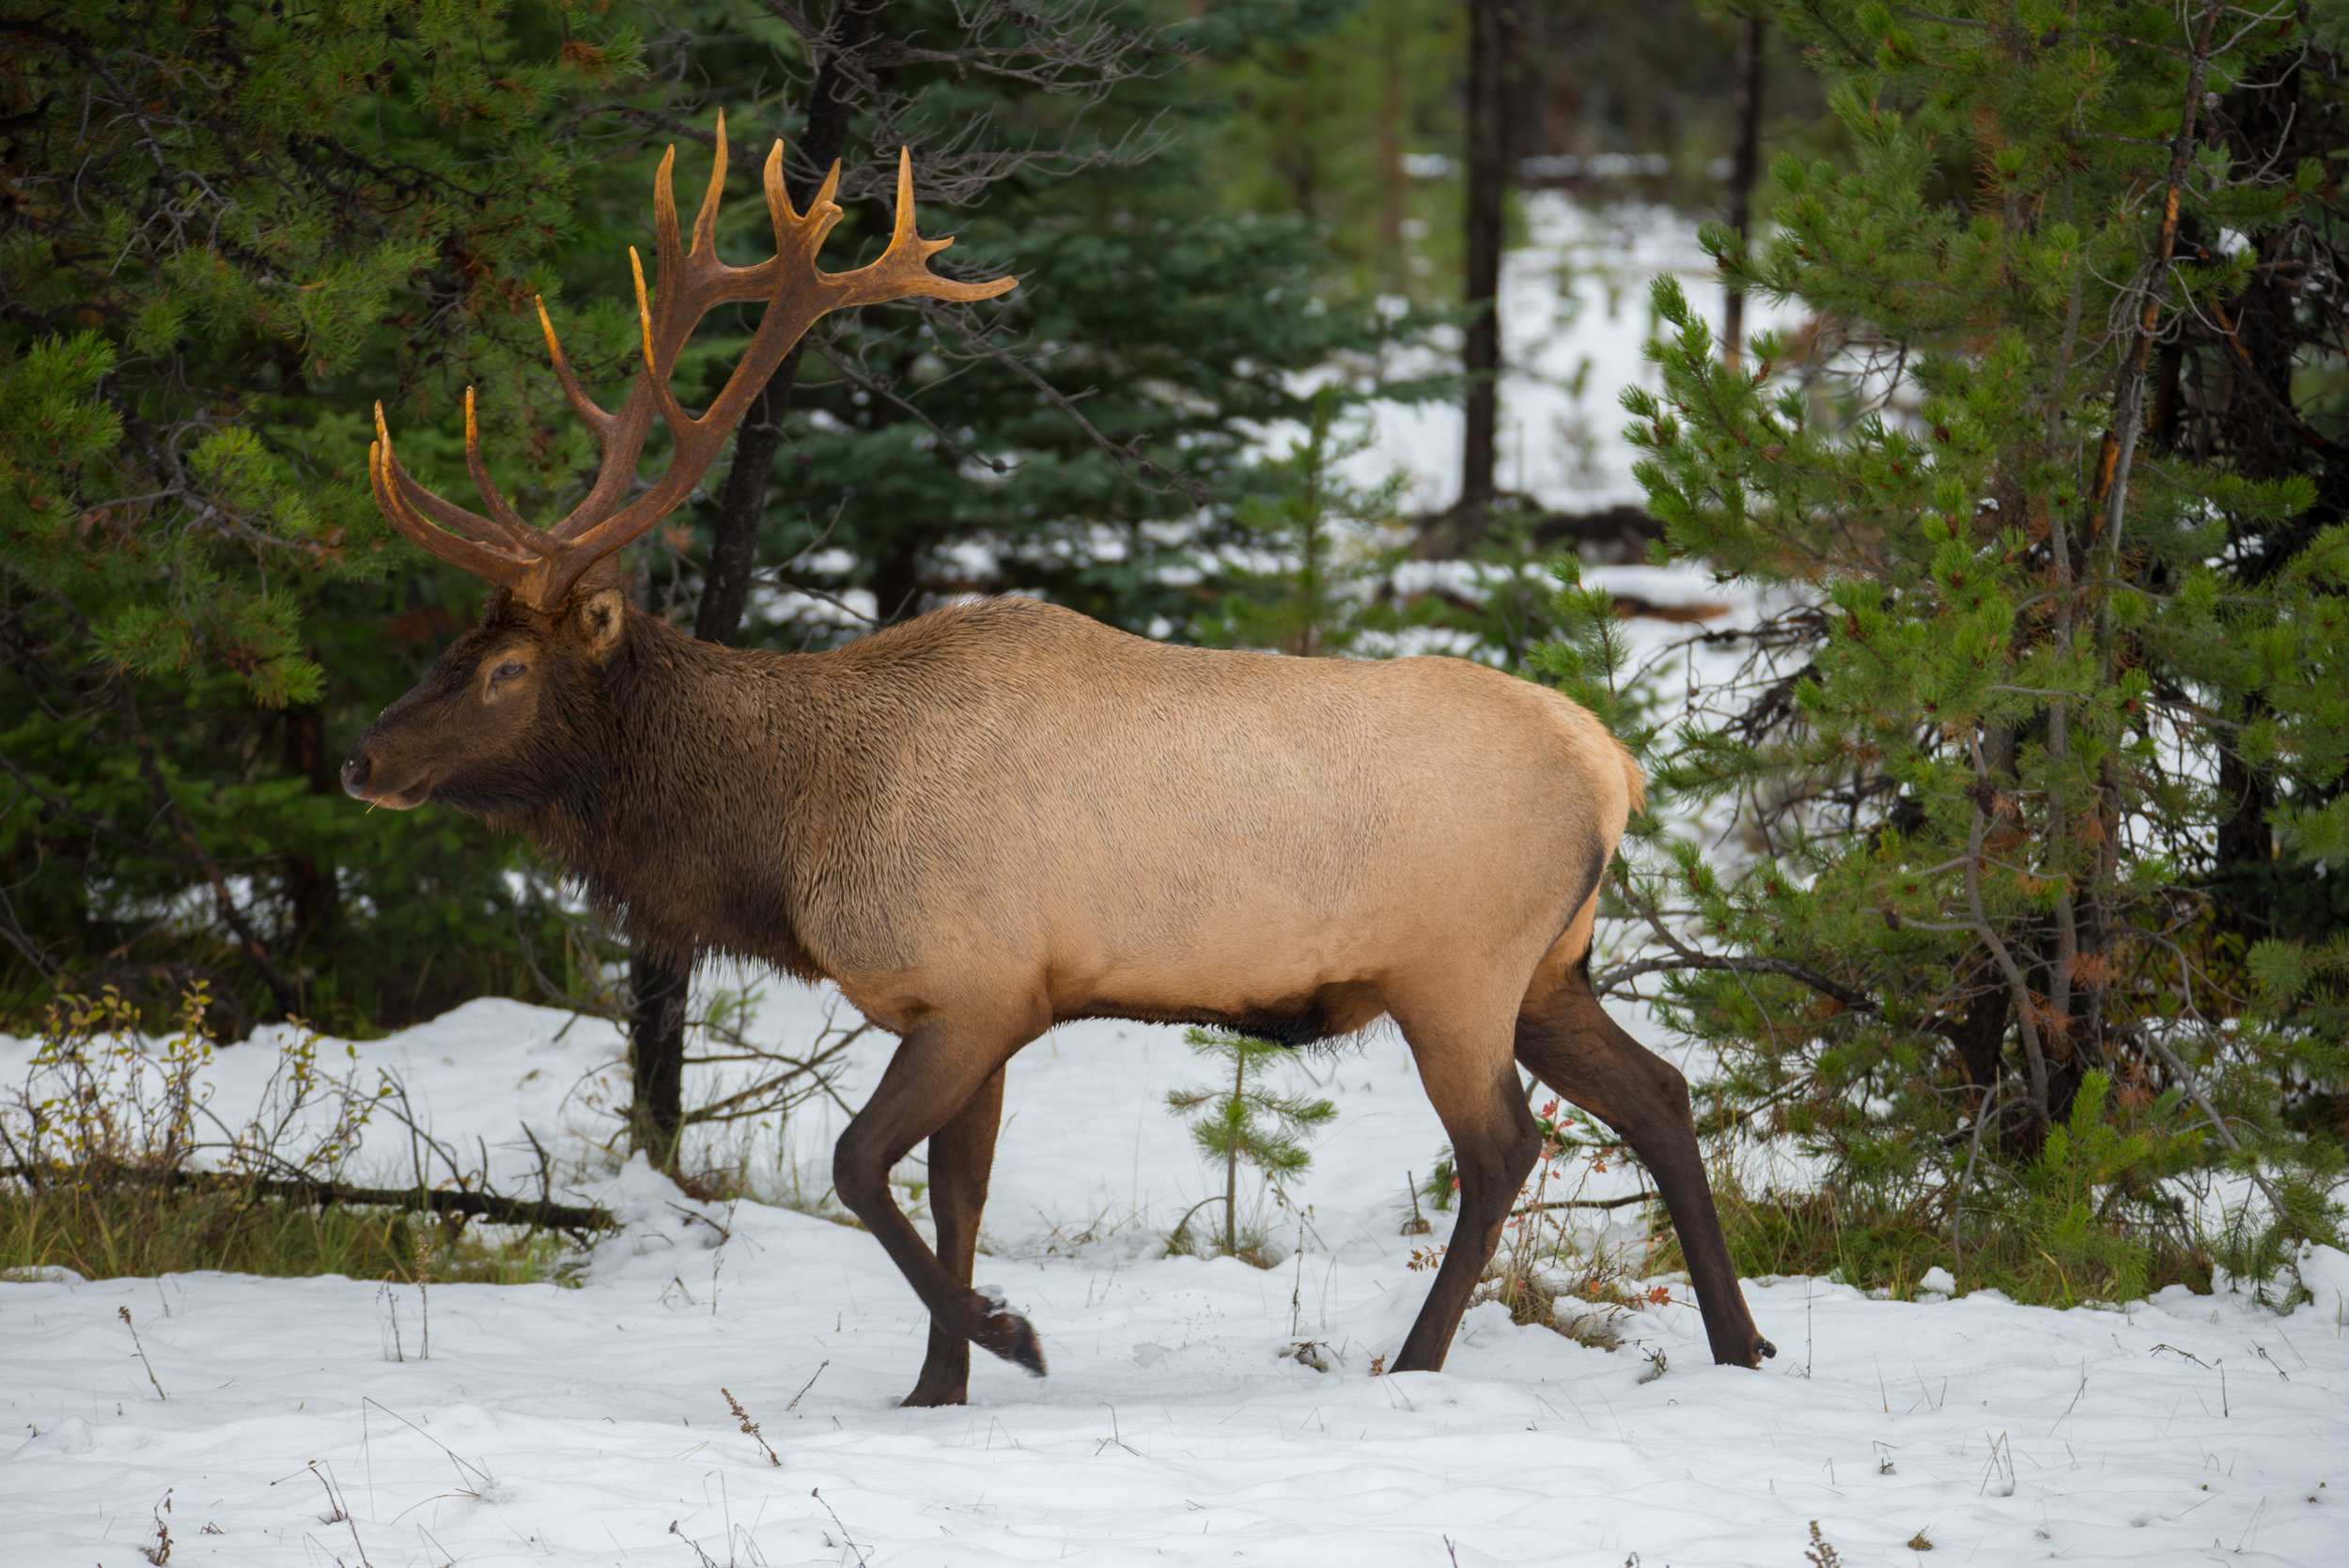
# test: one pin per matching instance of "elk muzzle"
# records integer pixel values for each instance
(367, 777)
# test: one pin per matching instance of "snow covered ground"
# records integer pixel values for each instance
(587, 1425)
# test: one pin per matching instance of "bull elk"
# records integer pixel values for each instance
(1002, 815)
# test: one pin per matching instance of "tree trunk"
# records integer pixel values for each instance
(657, 1057)
(1488, 178)
(741, 503)
(2266, 337)
(1980, 1034)
(657, 1019)
(1744, 164)
(658, 993)
(742, 499)
(1231, 1167)
(1394, 183)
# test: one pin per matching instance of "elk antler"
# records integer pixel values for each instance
(542, 566)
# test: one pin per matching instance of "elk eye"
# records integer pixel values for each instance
(507, 671)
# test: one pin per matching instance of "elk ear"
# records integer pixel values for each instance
(603, 615)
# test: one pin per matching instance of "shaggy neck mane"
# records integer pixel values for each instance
(685, 742)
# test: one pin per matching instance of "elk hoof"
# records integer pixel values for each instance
(1765, 1349)
(1006, 1333)
(1013, 1338)
(924, 1397)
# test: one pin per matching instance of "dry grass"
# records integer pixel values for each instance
(114, 1163)
(1886, 1246)
(103, 1233)
(1256, 1249)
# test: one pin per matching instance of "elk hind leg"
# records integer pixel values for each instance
(935, 1074)
(1565, 1038)
(1464, 1065)
(962, 1155)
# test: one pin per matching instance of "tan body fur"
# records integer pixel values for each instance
(1008, 800)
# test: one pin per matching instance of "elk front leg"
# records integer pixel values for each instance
(962, 1155)
(1467, 1072)
(937, 1072)
(1568, 1042)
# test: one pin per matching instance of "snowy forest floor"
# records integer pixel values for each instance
(553, 1424)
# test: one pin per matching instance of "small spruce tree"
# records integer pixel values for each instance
(1306, 579)
(1246, 1124)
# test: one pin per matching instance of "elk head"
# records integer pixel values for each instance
(485, 729)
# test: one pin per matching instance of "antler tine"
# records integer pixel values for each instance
(903, 270)
(679, 315)
(664, 209)
(664, 217)
(780, 211)
(824, 205)
(582, 404)
(797, 235)
(471, 525)
(479, 559)
(901, 214)
(691, 281)
(706, 221)
(510, 527)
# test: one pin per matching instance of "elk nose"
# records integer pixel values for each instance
(355, 771)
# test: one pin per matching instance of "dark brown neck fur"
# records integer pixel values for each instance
(680, 824)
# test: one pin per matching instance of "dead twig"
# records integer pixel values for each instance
(804, 1386)
(817, 1494)
(124, 1314)
(750, 1428)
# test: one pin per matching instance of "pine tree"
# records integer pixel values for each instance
(2055, 535)
(1326, 118)
(1247, 1124)
(228, 231)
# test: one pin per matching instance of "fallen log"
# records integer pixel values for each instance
(540, 1213)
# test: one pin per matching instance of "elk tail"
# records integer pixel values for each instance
(1635, 782)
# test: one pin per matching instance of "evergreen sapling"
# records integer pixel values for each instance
(1245, 1123)
(1308, 579)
